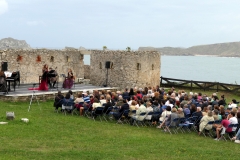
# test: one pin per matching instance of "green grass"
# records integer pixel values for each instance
(228, 95)
(51, 135)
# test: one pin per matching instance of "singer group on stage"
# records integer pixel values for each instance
(49, 79)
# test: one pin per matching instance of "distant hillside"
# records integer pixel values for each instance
(6, 43)
(231, 49)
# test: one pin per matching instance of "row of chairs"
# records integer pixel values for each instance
(182, 124)
(189, 124)
(122, 117)
(224, 134)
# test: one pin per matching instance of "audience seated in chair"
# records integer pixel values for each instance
(204, 122)
(68, 103)
(78, 102)
(108, 104)
(164, 116)
(58, 100)
(125, 106)
(224, 124)
(139, 116)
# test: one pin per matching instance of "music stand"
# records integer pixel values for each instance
(33, 95)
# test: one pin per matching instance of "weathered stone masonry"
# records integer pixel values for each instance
(128, 69)
(30, 69)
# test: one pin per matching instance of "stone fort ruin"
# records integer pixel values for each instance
(125, 69)
(30, 62)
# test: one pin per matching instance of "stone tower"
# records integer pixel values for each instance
(127, 69)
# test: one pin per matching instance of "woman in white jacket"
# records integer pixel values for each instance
(204, 122)
(164, 116)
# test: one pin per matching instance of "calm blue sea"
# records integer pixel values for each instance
(200, 68)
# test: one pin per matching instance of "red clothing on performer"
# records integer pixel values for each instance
(44, 81)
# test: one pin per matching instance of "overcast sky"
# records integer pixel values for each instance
(120, 23)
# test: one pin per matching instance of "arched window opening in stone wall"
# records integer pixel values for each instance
(100, 65)
(152, 66)
(111, 66)
(138, 66)
(51, 59)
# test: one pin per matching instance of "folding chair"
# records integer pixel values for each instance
(136, 119)
(231, 134)
(192, 121)
(173, 125)
(204, 130)
(87, 112)
(123, 116)
(223, 134)
(133, 112)
(197, 123)
(217, 122)
(57, 105)
(98, 112)
(185, 124)
(107, 113)
(188, 115)
(113, 112)
(157, 114)
(67, 108)
(149, 121)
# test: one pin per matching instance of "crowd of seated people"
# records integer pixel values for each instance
(167, 106)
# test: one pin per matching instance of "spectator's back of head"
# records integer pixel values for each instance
(232, 113)
(168, 108)
(67, 96)
(209, 113)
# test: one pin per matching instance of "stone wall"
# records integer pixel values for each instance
(86, 71)
(30, 69)
(128, 69)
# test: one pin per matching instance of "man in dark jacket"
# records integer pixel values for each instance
(58, 100)
(124, 107)
(125, 94)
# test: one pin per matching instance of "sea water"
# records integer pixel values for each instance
(199, 68)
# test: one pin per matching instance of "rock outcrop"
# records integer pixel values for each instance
(231, 49)
(10, 43)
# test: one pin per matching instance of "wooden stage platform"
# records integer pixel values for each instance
(22, 93)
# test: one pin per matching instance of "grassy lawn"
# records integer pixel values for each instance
(51, 135)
